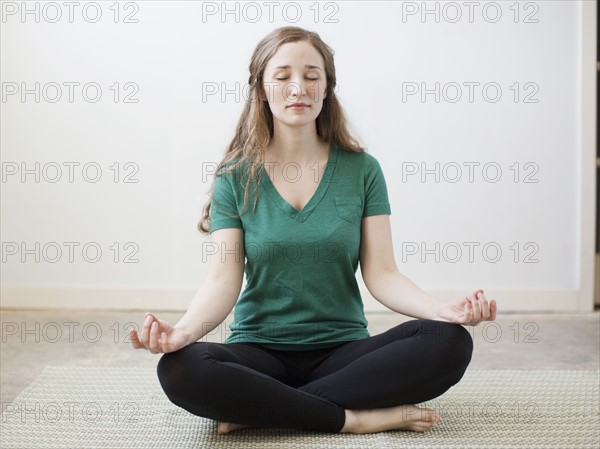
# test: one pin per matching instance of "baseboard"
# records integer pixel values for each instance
(156, 299)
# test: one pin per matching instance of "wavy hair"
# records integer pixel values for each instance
(255, 126)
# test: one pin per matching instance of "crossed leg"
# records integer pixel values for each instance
(373, 382)
(243, 384)
(380, 378)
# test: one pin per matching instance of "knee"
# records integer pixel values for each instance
(454, 342)
(174, 370)
(459, 344)
(168, 370)
(185, 369)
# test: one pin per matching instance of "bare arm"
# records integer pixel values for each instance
(220, 290)
(400, 294)
(381, 275)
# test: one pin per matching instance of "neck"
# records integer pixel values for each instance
(300, 147)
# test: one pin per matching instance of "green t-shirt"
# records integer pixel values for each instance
(301, 291)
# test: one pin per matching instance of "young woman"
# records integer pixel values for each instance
(300, 355)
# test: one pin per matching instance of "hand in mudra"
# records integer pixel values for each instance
(470, 310)
(158, 336)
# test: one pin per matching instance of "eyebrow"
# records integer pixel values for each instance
(308, 66)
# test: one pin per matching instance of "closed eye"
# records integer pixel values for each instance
(312, 79)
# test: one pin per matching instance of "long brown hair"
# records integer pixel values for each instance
(255, 127)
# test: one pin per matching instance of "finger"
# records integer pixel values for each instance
(471, 318)
(476, 308)
(163, 342)
(154, 337)
(145, 334)
(493, 308)
(485, 306)
(134, 339)
(468, 313)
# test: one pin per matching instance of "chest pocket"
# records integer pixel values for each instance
(349, 207)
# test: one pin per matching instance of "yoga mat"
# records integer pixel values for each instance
(125, 408)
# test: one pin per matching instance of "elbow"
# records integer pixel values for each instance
(374, 279)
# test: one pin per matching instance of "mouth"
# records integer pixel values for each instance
(298, 106)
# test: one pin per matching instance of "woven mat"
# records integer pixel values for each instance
(125, 408)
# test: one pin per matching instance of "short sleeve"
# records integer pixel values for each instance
(376, 194)
(223, 207)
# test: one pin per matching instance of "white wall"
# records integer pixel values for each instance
(169, 132)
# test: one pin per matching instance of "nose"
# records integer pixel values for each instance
(296, 88)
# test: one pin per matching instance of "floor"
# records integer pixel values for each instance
(33, 339)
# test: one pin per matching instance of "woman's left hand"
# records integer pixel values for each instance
(470, 310)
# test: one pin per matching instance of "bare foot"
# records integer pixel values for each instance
(226, 427)
(402, 417)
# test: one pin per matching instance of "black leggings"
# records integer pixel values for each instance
(247, 383)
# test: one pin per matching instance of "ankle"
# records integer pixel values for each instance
(352, 423)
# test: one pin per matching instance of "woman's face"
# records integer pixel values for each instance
(295, 74)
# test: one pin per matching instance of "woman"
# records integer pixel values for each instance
(300, 355)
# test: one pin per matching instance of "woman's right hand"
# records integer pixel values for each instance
(158, 336)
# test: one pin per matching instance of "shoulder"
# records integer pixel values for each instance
(229, 167)
(370, 160)
(371, 165)
(361, 157)
(372, 170)
(359, 163)
(233, 172)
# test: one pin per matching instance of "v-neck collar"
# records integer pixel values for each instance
(286, 207)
